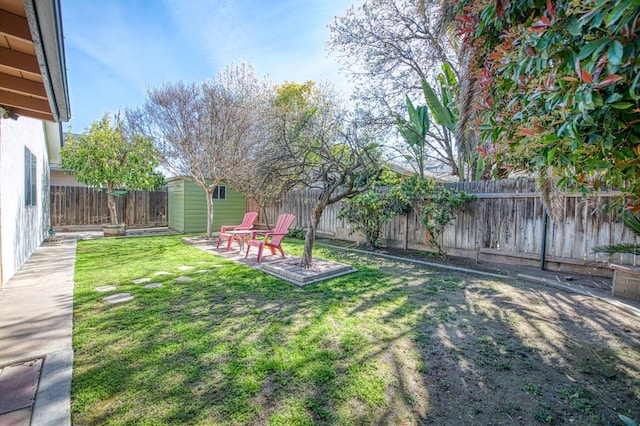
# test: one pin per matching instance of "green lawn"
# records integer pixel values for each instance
(390, 344)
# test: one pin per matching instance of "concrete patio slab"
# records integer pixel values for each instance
(16, 418)
(291, 271)
(18, 385)
(52, 399)
(287, 269)
(37, 305)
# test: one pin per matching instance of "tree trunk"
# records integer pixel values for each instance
(111, 203)
(209, 192)
(310, 238)
(264, 215)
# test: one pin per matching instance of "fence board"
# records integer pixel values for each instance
(82, 206)
(507, 216)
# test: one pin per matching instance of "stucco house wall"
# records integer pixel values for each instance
(59, 177)
(34, 72)
(23, 227)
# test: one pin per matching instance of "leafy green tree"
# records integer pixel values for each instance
(560, 87)
(423, 138)
(368, 212)
(107, 155)
(443, 104)
(440, 208)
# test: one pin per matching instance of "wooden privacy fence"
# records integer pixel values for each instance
(505, 223)
(82, 206)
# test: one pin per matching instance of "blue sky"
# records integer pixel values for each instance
(117, 49)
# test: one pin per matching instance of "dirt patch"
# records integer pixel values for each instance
(578, 280)
(512, 352)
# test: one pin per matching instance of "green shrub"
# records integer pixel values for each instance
(299, 233)
(439, 209)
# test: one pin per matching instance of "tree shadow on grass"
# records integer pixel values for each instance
(390, 344)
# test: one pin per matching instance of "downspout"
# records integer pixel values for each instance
(61, 134)
(543, 250)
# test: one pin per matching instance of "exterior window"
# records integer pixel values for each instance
(30, 181)
(220, 193)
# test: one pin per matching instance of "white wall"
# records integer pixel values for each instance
(60, 178)
(22, 228)
(53, 135)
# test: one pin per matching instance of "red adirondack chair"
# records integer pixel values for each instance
(271, 238)
(247, 224)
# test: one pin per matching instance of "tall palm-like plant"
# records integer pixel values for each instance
(414, 132)
(632, 220)
(444, 109)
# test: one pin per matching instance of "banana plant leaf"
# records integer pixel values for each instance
(632, 221)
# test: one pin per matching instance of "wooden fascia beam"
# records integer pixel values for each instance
(26, 102)
(32, 114)
(15, 26)
(27, 87)
(19, 61)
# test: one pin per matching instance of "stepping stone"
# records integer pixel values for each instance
(153, 285)
(162, 273)
(106, 288)
(118, 298)
(186, 268)
(202, 262)
(141, 280)
(184, 278)
(202, 271)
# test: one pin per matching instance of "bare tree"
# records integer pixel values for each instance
(257, 180)
(389, 48)
(319, 145)
(205, 132)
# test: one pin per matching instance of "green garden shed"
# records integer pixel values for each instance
(188, 206)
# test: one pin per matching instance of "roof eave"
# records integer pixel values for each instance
(45, 23)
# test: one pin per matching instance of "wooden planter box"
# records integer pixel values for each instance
(118, 230)
(626, 281)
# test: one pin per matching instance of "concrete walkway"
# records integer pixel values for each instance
(36, 356)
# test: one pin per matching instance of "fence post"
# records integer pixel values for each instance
(406, 231)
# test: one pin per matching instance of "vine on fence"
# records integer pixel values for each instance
(439, 209)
